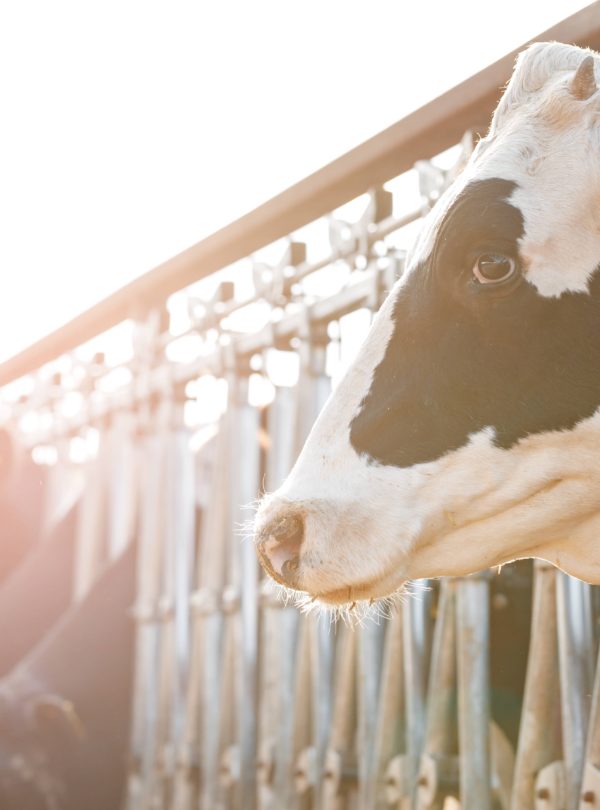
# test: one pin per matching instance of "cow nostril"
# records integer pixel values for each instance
(279, 547)
(288, 529)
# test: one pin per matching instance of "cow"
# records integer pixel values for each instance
(64, 710)
(23, 486)
(466, 434)
(47, 571)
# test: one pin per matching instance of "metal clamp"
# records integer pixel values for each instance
(551, 787)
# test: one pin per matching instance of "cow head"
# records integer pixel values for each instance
(466, 433)
(37, 729)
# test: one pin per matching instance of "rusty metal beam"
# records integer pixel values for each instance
(421, 135)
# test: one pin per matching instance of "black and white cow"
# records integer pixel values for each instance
(64, 711)
(47, 572)
(467, 432)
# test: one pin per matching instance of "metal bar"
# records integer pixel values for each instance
(245, 466)
(173, 605)
(370, 654)
(243, 346)
(279, 635)
(441, 744)
(340, 765)
(575, 657)
(312, 392)
(303, 750)
(144, 710)
(390, 735)
(473, 693)
(121, 485)
(539, 733)
(423, 133)
(209, 608)
(91, 522)
(187, 783)
(416, 634)
(590, 788)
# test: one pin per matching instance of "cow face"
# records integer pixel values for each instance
(466, 433)
(37, 729)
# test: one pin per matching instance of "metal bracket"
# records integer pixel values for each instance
(396, 779)
(305, 772)
(231, 766)
(590, 791)
(438, 777)
(551, 787)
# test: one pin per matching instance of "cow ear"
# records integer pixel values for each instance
(583, 84)
(54, 716)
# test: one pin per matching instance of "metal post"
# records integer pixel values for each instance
(439, 763)
(390, 735)
(539, 734)
(370, 652)
(473, 692)
(279, 636)
(416, 633)
(122, 481)
(208, 605)
(203, 474)
(575, 656)
(91, 521)
(246, 459)
(341, 767)
(144, 716)
(313, 390)
(173, 604)
(590, 789)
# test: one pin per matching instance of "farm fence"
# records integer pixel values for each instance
(175, 403)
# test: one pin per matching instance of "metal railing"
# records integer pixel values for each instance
(242, 701)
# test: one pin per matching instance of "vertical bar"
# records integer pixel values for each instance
(390, 735)
(303, 751)
(144, 719)
(539, 733)
(313, 390)
(173, 606)
(323, 641)
(209, 608)
(473, 692)
(575, 651)
(246, 459)
(441, 742)
(340, 764)
(202, 474)
(91, 522)
(121, 484)
(184, 531)
(590, 789)
(279, 636)
(416, 632)
(370, 652)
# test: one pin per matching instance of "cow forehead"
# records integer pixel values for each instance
(546, 143)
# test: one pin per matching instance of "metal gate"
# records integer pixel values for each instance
(242, 700)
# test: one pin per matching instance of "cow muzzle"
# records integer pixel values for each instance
(279, 544)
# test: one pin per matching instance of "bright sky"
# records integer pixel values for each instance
(132, 129)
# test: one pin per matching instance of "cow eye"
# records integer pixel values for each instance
(493, 268)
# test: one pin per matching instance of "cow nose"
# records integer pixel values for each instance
(279, 547)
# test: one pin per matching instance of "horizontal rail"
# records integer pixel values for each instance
(420, 135)
(165, 379)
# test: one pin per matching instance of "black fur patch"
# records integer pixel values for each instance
(463, 356)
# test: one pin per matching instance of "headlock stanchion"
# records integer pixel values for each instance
(473, 692)
(438, 773)
(539, 745)
(242, 700)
